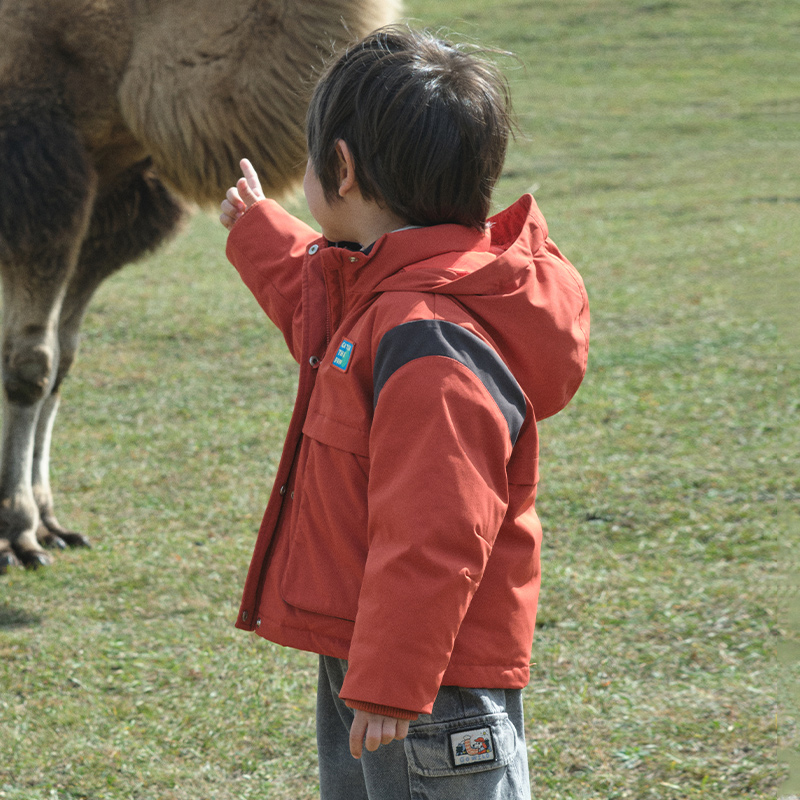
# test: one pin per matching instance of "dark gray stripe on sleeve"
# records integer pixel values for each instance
(434, 337)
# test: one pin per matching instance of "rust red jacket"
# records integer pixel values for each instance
(401, 532)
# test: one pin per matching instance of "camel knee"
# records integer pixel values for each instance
(28, 373)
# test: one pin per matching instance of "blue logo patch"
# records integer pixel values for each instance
(342, 359)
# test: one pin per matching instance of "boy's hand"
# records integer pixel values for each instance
(374, 730)
(240, 197)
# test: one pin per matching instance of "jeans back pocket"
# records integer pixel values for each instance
(461, 747)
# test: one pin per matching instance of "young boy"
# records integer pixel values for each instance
(400, 542)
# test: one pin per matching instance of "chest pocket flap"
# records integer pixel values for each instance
(336, 433)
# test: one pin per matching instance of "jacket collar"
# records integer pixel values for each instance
(441, 258)
(362, 272)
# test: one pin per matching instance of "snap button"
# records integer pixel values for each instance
(244, 616)
(292, 495)
(282, 490)
(314, 361)
(313, 249)
(258, 622)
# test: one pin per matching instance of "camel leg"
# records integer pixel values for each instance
(18, 514)
(48, 188)
(29, 372)
(50, 532)
(131, 217)
(30, 356)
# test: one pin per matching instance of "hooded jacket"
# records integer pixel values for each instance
(401, 532)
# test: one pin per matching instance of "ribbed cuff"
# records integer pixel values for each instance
(386, 711)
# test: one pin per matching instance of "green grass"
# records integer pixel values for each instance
(660, 138)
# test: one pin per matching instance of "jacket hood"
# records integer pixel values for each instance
(516, 284)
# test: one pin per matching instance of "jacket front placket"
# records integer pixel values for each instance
(315, 342)
(337, 269)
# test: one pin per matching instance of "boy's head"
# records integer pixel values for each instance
(426, 121)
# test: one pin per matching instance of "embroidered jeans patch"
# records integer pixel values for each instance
(471, 746)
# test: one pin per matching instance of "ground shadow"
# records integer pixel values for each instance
(11, 617)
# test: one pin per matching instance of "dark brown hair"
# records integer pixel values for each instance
(427, 122)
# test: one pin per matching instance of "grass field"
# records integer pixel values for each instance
(660, 140)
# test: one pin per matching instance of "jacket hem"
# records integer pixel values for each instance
(487, 677)
(307, 640)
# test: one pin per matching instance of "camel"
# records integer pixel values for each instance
(117, 117)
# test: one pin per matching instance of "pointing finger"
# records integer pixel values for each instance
(251, 181)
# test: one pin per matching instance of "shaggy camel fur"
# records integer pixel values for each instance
(110, 111)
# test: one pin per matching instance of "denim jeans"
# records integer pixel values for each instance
(471, 747)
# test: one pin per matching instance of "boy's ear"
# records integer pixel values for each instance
(347, 169)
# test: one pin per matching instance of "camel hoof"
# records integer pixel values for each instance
(52, 540)
(54, 536)
(7, 559)
(34, 560)
(73, 539)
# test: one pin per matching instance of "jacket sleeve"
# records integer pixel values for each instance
(268, 247)
(447, 411)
